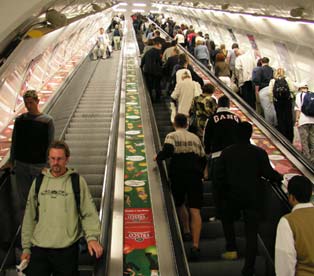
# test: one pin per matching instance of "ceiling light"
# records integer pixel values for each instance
(225, 6)
(297, 12)
(96, 7)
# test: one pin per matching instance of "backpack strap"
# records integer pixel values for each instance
(75, 179)
(38, 181)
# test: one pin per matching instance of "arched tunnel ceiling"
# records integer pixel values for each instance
(16, 15)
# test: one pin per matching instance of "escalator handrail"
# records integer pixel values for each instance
(109, 176)
(178, 246)
(5, 174)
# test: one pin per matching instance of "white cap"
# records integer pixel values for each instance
(302, 84)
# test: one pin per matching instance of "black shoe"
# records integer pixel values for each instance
(187, 237)
(195, 254)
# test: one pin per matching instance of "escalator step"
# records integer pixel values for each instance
(90, 159)
(89, 169)
(211, 249)
(225, 268)
(213, 230)
(94, 179)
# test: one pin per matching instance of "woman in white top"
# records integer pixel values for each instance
(282, 93)
(305, 124)
(180, 38)
(185, 91)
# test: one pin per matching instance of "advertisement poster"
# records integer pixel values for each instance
(233, 37)
(285, 59)
(252, 41)
(139, 246)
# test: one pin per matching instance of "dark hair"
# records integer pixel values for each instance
(259, 62)
(30, 94)
(235, 45)
(244, 131)
(158, 40)
(183, 59)
(208, 88)
(265, 60)
(301, 188)
(60, 145)
(157, 33)
(220, 57)
(174, 42)
(223, 101)
(150, 42)
(212, 45)
(180, 120)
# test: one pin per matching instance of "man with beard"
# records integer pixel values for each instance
(54, 222)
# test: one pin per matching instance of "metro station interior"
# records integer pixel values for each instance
(102, 110)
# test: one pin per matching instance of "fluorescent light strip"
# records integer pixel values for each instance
(119, 10)
(138, 10)
(123, 4)
(139, 4)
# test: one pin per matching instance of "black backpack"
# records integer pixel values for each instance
(307, 104)
(75, 179)
(281, 91)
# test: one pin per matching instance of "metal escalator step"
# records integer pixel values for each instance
(208, 199)
(211, 249)
(83, 151)
(107, 106)
(213, 229)
(86, 136)
(82, 144)
(225, 268)
(80, 130)
(89, 169)
(92, 114)
(88, 159)
(95, 190)
(98, 124)
(91, 120)
(91, 106)
(97, 202)
(94, 179)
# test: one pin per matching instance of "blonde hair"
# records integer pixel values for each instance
(199, 42)
(186, 75)
(279, 73)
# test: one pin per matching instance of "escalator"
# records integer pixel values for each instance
(273, 203)
(85, 114)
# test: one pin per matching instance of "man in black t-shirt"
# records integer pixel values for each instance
(219, 133)
(33, 132)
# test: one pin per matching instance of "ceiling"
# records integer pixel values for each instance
(13, 20)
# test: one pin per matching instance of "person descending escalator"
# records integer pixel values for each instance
(186, 172)
(151, 66)
(240, 170)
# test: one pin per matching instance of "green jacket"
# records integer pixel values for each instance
(58, 225)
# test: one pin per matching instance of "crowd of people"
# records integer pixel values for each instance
(206, 128)
(269, 91)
